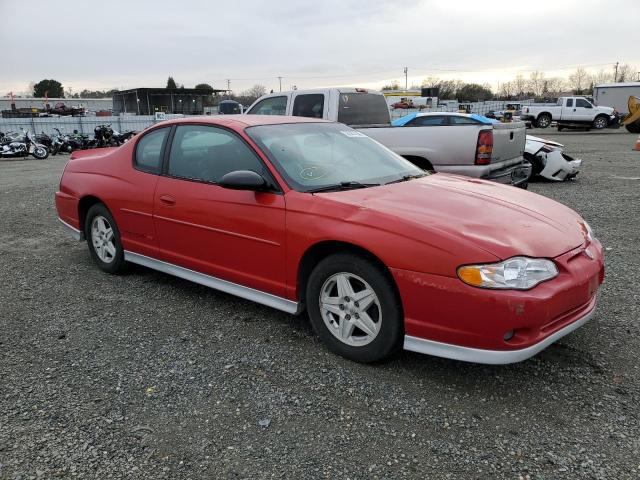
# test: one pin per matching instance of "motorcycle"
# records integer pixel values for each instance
(23, 148)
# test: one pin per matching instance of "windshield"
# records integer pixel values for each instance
(314, 155)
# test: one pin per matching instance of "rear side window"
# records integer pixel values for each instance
(149, 150)
(206, 153)
(363, 109)
(455, 120)
(270, 106)
(428, 121)
(311, 105)
(569, 102)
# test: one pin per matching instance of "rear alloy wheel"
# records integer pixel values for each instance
(543, 121)
(103, 239)
(354, 308)
(600, 122)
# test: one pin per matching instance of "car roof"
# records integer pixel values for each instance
(430, 114)
(244, 120)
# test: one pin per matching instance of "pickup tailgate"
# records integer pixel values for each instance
(508, 141)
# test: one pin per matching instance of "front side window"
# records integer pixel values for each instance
(270, 106)
(310, 105)
(149, 150)
(205, 153)
(316, 155)
(581, 102)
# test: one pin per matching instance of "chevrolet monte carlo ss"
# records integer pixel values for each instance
(302, 214)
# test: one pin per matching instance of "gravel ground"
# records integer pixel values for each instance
(147, 376)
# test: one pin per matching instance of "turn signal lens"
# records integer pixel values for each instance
(518, 273)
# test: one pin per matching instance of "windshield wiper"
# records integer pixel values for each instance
(404, 178)
(352, 185)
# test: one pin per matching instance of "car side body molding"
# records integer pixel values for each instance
(241, 291)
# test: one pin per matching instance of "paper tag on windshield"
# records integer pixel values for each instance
(352, 133)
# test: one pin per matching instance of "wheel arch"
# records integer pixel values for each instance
(321, 250)
(602, 115)
(84, 205)
(420, 161)
(548, 114)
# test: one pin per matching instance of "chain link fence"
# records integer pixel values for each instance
(82, 125)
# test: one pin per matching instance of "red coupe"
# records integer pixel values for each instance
(302, 214)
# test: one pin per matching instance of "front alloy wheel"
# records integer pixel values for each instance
(600, 123)
(350, 309)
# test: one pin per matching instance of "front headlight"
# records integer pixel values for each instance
(589, 230)
(519, 273)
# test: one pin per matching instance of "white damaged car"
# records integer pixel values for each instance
(549, 161)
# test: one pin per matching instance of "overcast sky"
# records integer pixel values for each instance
(124, 44)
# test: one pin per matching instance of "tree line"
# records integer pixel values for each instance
(537, 85)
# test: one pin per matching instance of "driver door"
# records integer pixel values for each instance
(583, 110)
(234, 235)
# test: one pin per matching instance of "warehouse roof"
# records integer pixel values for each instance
(621, 84)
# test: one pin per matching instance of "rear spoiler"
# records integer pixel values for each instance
(90, 152)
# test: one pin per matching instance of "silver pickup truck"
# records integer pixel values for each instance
(463, 145)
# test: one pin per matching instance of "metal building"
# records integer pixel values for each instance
(616, 95)
(148, 101)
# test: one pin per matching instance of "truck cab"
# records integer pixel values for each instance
(351, 106)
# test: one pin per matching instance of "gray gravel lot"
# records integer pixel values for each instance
(147, 376)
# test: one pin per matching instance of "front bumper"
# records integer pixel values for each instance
(491, 357)
(445, 317)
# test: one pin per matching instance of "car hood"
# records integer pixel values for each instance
(499, 219)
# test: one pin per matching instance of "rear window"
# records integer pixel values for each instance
(456, 120)
(363, 109)
(428, 121)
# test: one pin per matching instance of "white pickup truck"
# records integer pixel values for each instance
(471, 148)
(568, 112)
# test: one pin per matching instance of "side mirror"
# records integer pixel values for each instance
(243, 180)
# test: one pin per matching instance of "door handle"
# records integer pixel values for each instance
(167, 199)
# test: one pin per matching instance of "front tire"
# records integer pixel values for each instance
(40, 153)
(103, 239)
(354, 308)
(600, 122)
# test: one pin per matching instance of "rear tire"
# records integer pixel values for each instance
(103, 239)
(354, 308)
(543, 120)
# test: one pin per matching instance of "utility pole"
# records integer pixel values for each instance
(406, 79)
(615, 75)
(228, 88)
(280, 81)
